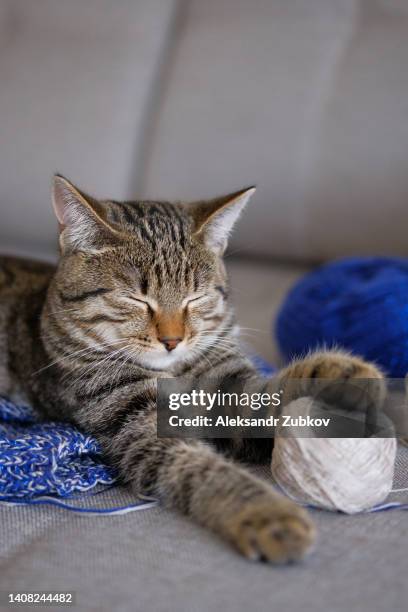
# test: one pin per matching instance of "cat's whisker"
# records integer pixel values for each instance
(254, 329)
(79, 353)
(100, 364)
(119, 371)
(52, 311)
(214, 333)
(217, 342)
(218, 339)
(107, 354)
(201, 354)
(129, 357)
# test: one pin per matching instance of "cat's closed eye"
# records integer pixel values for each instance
(195, 301)
(146, 305)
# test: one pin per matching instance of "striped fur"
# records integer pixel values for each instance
(85, 343)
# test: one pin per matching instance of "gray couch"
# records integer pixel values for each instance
(187, 99)
(190, 98)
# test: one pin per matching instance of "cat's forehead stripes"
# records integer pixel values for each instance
(154, 223)
(164, 232)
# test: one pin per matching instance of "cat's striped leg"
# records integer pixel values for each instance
(192, 477)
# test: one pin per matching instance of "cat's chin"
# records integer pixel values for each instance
(157, 360)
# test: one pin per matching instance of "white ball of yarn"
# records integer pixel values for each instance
(347, 474)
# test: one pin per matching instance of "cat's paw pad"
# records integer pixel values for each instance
(276, 532)
(333, 364)
(340, 365)
(360, 384)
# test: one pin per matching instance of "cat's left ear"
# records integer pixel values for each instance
(214, 219)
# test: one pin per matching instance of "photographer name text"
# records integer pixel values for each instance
(238, 421)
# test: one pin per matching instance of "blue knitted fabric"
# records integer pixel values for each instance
(39, 458)
(360, 304)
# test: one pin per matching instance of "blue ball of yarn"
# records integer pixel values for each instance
(360, 304)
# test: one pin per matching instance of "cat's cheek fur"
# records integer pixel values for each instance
(111, 334)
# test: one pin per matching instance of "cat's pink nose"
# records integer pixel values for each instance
(170, 343)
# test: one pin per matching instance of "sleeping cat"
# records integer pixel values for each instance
(140, 292)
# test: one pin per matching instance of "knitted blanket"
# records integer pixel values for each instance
(49, 462)
(38, 458)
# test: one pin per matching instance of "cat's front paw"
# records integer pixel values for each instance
(333, 364)
(336, 377)
(276, 531)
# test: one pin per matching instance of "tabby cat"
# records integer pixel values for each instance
(140, 292)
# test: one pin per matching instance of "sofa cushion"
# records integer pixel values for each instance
(76, 82)
(308, 100)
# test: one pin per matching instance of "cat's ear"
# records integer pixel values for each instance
(81, 218)
(213, 220)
